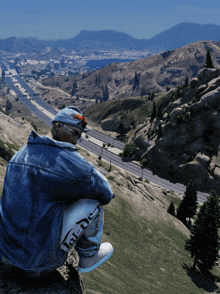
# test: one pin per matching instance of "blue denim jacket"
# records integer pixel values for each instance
(42, 179)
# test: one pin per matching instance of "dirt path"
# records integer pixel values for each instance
(50, 88)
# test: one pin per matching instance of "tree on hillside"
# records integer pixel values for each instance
(159, 131)
(189, 204)
(186, 83)
(171, 209)
(129, 149)
(74, 88)
(204, 240)
(136, 81)
(8, 105)
(159, 111)
(98, 79)
(151, 95)
(105, 93)
(154, 112)
(209, 62)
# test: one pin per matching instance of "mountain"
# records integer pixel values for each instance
(175, 37)
(169, 68)
(185, 33)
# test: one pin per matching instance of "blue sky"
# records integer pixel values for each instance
(56, 19)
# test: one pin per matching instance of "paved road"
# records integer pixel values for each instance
(90, 146)
(106, 139)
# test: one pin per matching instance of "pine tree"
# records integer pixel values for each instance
(105, 93)
(186, 83)
(154, 111)
(178, 93)
(208, 63)
(171, 209)
(188, 205)
(159, 112)
(74, 88)
(8, 105)
(136, 81)
(159, 131)
(204, 240)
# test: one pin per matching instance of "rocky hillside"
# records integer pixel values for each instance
(156, 72)
(183, 144)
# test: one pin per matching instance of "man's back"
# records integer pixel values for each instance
(41, 180)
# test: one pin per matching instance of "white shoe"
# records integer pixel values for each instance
(87, 264)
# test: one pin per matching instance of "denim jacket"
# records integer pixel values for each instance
(41, 180)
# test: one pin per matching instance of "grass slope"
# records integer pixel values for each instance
(149, 255)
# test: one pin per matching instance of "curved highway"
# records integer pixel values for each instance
(92, 147)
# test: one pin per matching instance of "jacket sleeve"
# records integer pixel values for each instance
(100, 188)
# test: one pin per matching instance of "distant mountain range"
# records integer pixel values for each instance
(173, 38)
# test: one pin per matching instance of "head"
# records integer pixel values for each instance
(68, 125)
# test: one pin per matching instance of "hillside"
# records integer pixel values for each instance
(156, 72)
(149, 255)
(182, 141)
(13, 136)
(188, 145)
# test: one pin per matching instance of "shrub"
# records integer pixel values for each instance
(129, 149)
(150, 133)
(111, 178)
(183, 118)
(34, 126)
(144, 161)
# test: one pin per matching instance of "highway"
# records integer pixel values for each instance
(92, 147)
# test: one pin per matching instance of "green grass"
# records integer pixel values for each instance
(169, 197)
(149, 256)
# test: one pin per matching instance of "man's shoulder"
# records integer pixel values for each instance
(35, 138)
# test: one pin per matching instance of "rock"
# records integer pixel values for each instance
(177, 111)
(65, 280)
(217, 171)
(196, 146)
(208, 74)
(197, 173)
(203, 159)
(200, 89)
(194, 83)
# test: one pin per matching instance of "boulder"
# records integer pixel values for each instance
(208, 74)
(177, 111)
(196, 146)
(202, 159)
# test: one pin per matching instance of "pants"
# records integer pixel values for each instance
(82, 227)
